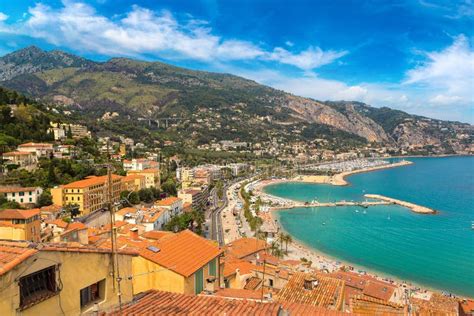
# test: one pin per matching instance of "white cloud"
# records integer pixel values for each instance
(309, 59)
(449, 74)
(142, 31)
(3, 17)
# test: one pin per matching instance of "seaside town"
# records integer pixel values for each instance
(236, 158)
(151, 234)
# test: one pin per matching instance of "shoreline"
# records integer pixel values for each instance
(321, 259)
(339, 179)
(336, 263)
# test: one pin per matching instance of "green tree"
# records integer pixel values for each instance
(145, 195)
(44, 199)
(69, 132)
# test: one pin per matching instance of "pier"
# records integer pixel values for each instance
(382, 200)
(332, 204)
(414, 207)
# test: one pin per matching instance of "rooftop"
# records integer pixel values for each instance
(39, 145)
(168, 201)
(324, 292)
(231, 265)
(18, 214)
(11, 189)
(166, 303)
(363, 305)
(93, 180)
(12, 253)
(183, 253)
(244, 247)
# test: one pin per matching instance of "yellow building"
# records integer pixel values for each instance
(60, 279)
(181, 263)
(122, 150)
(20, 225)
(152, 176)
(89, 194)
(134, 182)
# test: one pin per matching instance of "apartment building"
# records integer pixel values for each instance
(23, 195)
(24, 160)
(152, 176)
(40, 149)
(90, 194)
(60, 278)
(20, 225)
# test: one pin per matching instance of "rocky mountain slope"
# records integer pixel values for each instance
(152, 90)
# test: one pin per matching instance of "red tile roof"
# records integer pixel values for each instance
(327, 293)
(11, 255)
(93, 180)
(17, 153)
(231, 265)
(239, 293)
(18, 214)
(168, 201)
(155, 234)
(244, 247)
(165, 303)
(58, 222)
(16, 189)
(253, 283)
(183, 253)
(41, 145)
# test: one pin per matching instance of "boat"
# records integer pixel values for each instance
(357, 211)
(364, 212)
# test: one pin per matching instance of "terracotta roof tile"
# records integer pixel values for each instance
(327, 293)
(239, 293)
(93, 180)
(165, 303)
(155, 234)
(18, 214)
(231, 265)
(12, 255)
(167, 201)
(244, 247)
(10, 189)
(253, 283)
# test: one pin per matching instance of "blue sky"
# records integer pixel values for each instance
(414, 55)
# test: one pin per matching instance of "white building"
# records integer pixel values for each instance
(40, 149)
(21, 195)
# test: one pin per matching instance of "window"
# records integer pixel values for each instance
(92, 293)
(21, 200)
(270, 282)
(37, 287)
(31, 192)
(198, 282)
(13, 194)
(212, 267)
(21, 193)
(31, 200)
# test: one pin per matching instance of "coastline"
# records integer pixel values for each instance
(339, 179)
(324, 261)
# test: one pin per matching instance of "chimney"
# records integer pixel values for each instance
(310, 283)
(134, 233)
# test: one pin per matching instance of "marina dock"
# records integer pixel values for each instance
(414, 207)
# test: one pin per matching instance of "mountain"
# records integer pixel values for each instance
(213, 106)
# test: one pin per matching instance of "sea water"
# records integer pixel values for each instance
(431, 250)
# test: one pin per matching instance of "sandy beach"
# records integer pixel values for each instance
(339, 179)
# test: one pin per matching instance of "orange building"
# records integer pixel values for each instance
(152, 176)
(20, 225)
(134, 182)
(88, 195)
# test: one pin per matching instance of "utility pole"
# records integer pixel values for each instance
(113, 233)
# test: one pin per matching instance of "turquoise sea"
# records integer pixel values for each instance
(432, 250)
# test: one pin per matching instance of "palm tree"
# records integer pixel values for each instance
(288, 240)
(274, 247)
(281, 238)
